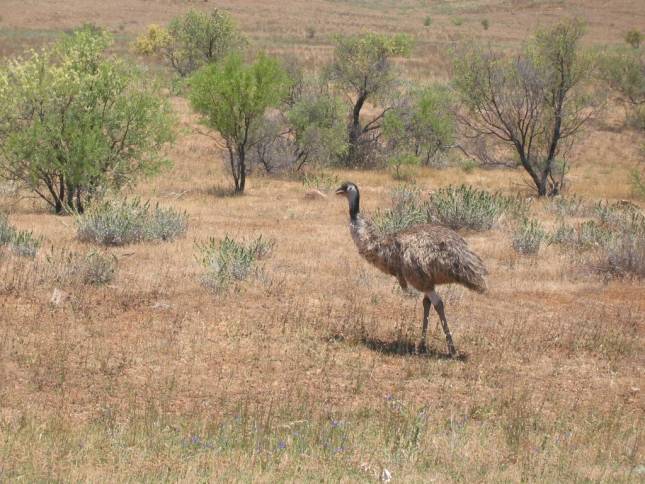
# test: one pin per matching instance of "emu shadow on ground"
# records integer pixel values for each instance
(408, 348)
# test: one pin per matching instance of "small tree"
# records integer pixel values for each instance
(192, 40)
(362, 69)
(535, 102)
(309, 128)
(624, 71)
(423, 124)
(233, 98)
(74, 122)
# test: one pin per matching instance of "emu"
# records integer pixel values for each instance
(423, 256)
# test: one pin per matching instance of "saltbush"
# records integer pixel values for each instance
(121, 222)
(528, 237)
(21, 242)
(407, 209)
(228, 261)
(465, 207)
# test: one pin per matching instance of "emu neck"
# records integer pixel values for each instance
(354, 202)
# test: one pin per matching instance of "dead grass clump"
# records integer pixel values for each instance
(121, 222)
(625, 255)
(228, 261)
(93, 267)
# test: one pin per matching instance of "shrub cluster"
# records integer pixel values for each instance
(617, 235)
(228, 261)
(121, 222)
(465, 207)
(462, 207)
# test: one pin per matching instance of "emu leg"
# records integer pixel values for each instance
(426, 313)
(438, 306)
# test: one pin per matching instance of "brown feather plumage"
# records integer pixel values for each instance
(423, 256)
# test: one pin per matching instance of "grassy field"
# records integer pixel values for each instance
(308, 370)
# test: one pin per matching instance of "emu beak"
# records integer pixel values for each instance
(340, 191)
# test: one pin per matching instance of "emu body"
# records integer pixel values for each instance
(423, 256)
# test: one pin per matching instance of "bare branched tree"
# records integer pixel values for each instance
(535, 102)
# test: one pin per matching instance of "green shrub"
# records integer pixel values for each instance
(637, 182)
(468, 165)
(634, 38)
(427, 21)
(571, 207)
(120, 222)
(457, 21)
(21, 242)
(6, 230)
(408, 209)
(25, 244)
(192, 40)
(465, 207)
(398, 163)
(564, 234)
(528, 237)
(485, 23)
(76, 121)
(228, 261)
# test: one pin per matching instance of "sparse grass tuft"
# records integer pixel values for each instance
(427, 21)
(528, 237)
(321, 180)
(228, 261)
(568, 206)
(485, 23)
(637, 182)
(121, 222)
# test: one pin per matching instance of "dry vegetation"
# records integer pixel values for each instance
(307, 370)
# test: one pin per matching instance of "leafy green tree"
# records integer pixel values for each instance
(317, 128)
(192, 40)
(362, 68)
(535, 102)
(623, 70)
(423, 124)
(75, 122)
(233, 97)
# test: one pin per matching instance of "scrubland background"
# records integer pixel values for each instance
(309, 372)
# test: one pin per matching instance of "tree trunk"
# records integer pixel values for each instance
(241, 155)
(355, 130)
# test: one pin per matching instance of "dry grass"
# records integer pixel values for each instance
(308, 372)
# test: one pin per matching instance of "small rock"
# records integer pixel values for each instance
(58, 297)
(161, 305)
(315, 195)
(386, 476)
